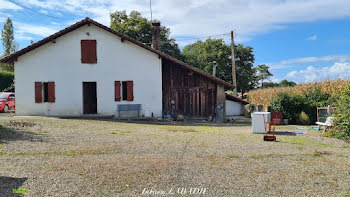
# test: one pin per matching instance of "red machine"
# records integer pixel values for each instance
(277, 117)
(269, 131)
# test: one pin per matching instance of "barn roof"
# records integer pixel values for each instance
(236, 99)
(87, 21)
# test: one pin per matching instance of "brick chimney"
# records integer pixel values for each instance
(156, 35)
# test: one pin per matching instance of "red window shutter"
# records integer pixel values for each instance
(38, 92)
(88, 51)
(130, 90)
(117, 96)
(51, 92)
(84, 52)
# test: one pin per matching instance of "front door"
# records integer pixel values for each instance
(89, 97)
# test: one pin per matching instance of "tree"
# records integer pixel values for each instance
(246, 74)
(139, 28)
(286, 83)
(283, 83)
(202, 54)
(8, 42)
(271, 84)
(263, 73)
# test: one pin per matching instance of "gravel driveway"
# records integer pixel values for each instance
(72, 157)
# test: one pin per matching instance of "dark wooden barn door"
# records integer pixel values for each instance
(89, 98)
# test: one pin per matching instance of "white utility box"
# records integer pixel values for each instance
(258, 121)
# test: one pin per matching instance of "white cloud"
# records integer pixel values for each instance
(275, 80)
(293, 63)
(23, 29)
(44, 11)
(6, 5)
(205, 17)
(314, 37)
(329, 58)
(312, 74)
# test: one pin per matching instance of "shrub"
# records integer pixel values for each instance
(315, 98)
(304, 118)
(290, 106)
(248, 109)
(6, 79)
(341, 121)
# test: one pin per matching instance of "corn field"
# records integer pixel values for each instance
(264, 96)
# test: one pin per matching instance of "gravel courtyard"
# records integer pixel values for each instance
(73, 157)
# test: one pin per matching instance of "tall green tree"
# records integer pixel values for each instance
(8, 42)
(263, 73)
(246, 74)
(286, 83)
(139, 28)
(283, 83)
(202, 54)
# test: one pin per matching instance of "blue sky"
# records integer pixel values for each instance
(301, 40)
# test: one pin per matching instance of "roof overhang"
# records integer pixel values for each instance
(236, 99)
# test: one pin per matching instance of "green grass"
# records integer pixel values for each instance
(327, 145)
(320, 173)
(259, 156)
(302, 142)
(299, 141)
(232, 156)
(124, 132)
(64, 153)
(318, 153)
(293, 127)
(2, 146)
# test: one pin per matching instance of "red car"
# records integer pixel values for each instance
(7, 101)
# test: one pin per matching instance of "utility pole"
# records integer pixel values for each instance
(150, 8)
(214, 68)
(234, 78)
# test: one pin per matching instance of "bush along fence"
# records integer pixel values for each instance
(6, 81)
(341, 128)
(298, 108)
(301, 108)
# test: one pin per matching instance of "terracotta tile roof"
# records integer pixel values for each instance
(87, 21)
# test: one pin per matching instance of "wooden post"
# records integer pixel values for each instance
(234, 78)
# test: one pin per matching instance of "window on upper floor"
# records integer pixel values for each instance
(88, 52)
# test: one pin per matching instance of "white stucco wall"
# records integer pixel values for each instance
(61, 62)
(233, 108)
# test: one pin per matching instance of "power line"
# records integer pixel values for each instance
(203, 37)
(28, 8)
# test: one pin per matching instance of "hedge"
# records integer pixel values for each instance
(6, 80)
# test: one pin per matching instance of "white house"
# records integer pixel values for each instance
(88, 68)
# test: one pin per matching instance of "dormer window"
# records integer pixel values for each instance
(88, 52)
